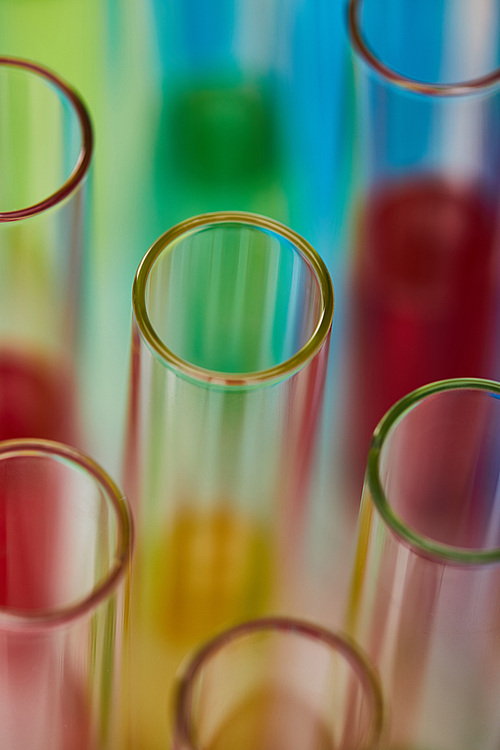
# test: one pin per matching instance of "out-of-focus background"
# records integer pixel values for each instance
(251, 105)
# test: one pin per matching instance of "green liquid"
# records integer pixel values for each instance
(218, 148)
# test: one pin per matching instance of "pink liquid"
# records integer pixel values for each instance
(424, 292)
(44, 705)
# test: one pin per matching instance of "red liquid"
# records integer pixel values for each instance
(36, 399)
(44, 698)
(424, 292)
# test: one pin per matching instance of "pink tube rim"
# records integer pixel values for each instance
(42, 619)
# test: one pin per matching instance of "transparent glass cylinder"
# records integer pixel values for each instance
(278, 684)
(232, 315)
(65, 547)
(424, 599)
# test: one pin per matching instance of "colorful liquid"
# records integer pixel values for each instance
(423, 297)
(42, 707)
(224, 133)
(211, 568)
(270, 720)
(218, 145)
(36, 399)
(208, 570)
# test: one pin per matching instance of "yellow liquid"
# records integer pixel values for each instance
(208, 570)
(270, 720)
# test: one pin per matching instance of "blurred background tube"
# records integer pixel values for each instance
(46, 146)
(424, 259)
(231, 324)
(218, 142)
(250, 111)
(87, 43)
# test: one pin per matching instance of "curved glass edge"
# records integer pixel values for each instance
(55, 617)
(420, 544)
(335, 641)
(213, 378)
(82, 165)
(462, 88)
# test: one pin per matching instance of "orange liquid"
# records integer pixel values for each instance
(270, 720)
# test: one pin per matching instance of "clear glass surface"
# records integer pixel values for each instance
(45, 153)
(424, 597)
(232, 318)
(278, 684)
(65, 547)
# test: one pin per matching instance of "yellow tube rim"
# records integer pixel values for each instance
(280, 371)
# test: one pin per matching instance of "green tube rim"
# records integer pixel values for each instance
(420, 543)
